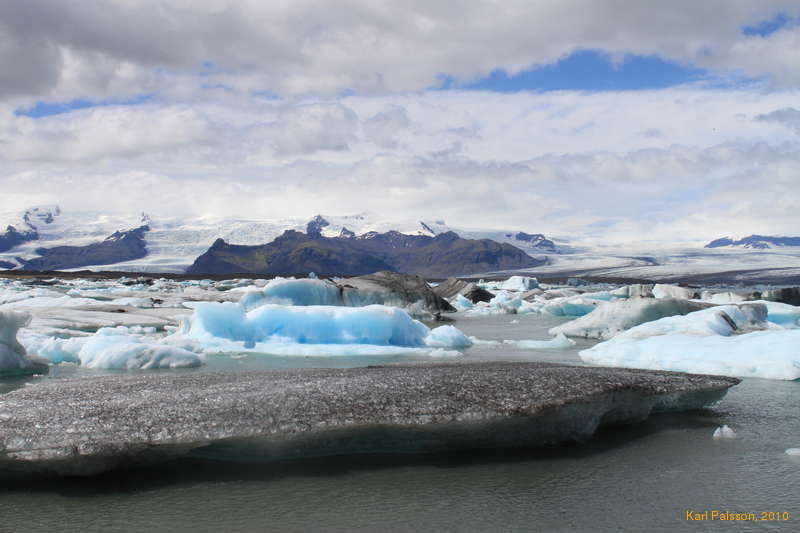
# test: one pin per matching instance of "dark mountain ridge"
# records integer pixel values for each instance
(117, 247)
(295, 253)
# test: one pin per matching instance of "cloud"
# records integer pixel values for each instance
(561, 163)
(97, 49)
(382, 128)
(105, 132)
(788, 116)
(309, 128)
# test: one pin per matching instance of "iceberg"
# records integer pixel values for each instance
(722, 297)
(461, 303)
(784, 315)
(447, 337)
(519, 284)
(661, 290)
(724, 432)
(727, 340)
(793, 451)
(294, 292)
(114, 348)
(617, 316)
(13, 357)
(312, 330)
(573, 306)
(556, 343)
(314, 412)
(381, 288)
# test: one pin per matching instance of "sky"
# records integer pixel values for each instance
(598, 121)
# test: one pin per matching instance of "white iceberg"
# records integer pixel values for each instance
(724, 432)
(617, 316)
(112, 348)
(661, 290)
(706, 342)
(793, 451)
(784, 315)
(722, 297)
(447, 337)
(559, 342)
(13, 357)
(519, 284)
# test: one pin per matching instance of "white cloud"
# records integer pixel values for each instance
(561, 163)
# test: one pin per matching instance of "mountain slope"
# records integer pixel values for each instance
(120, 246)
(297, 253)
(172, 244)
(760, 242)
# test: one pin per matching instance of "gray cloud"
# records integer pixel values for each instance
(788, 116)
(101, 48)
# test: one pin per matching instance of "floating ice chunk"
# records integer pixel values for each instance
(112, 348)
(571, 306)
(519, 284)
(793, 451)
(461, 303)
(373, 324)
(722, 297)
(313, 330)
(724, 432)
(612, 318)
(483, 342)
(661, 290)
(18, 295)
(515, 321)
(784, 315)
(558, 342)
(294, 292)
(636, 290)
(13, 358)
(56, 301)
(133, 302)
(706, 342)
(447, 337)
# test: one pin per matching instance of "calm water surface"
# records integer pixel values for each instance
(637, 478)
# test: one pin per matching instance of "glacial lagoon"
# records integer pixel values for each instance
(645, 476)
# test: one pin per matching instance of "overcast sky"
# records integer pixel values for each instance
(603, 120)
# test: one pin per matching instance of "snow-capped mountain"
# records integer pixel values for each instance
(171, 244)
(757, 242)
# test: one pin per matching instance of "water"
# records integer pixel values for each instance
(635, 478)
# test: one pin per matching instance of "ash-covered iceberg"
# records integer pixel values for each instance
(727, 340)
(382, 288)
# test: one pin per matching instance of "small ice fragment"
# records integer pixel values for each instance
(724, 432)
(515, 321)
(793, 451)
